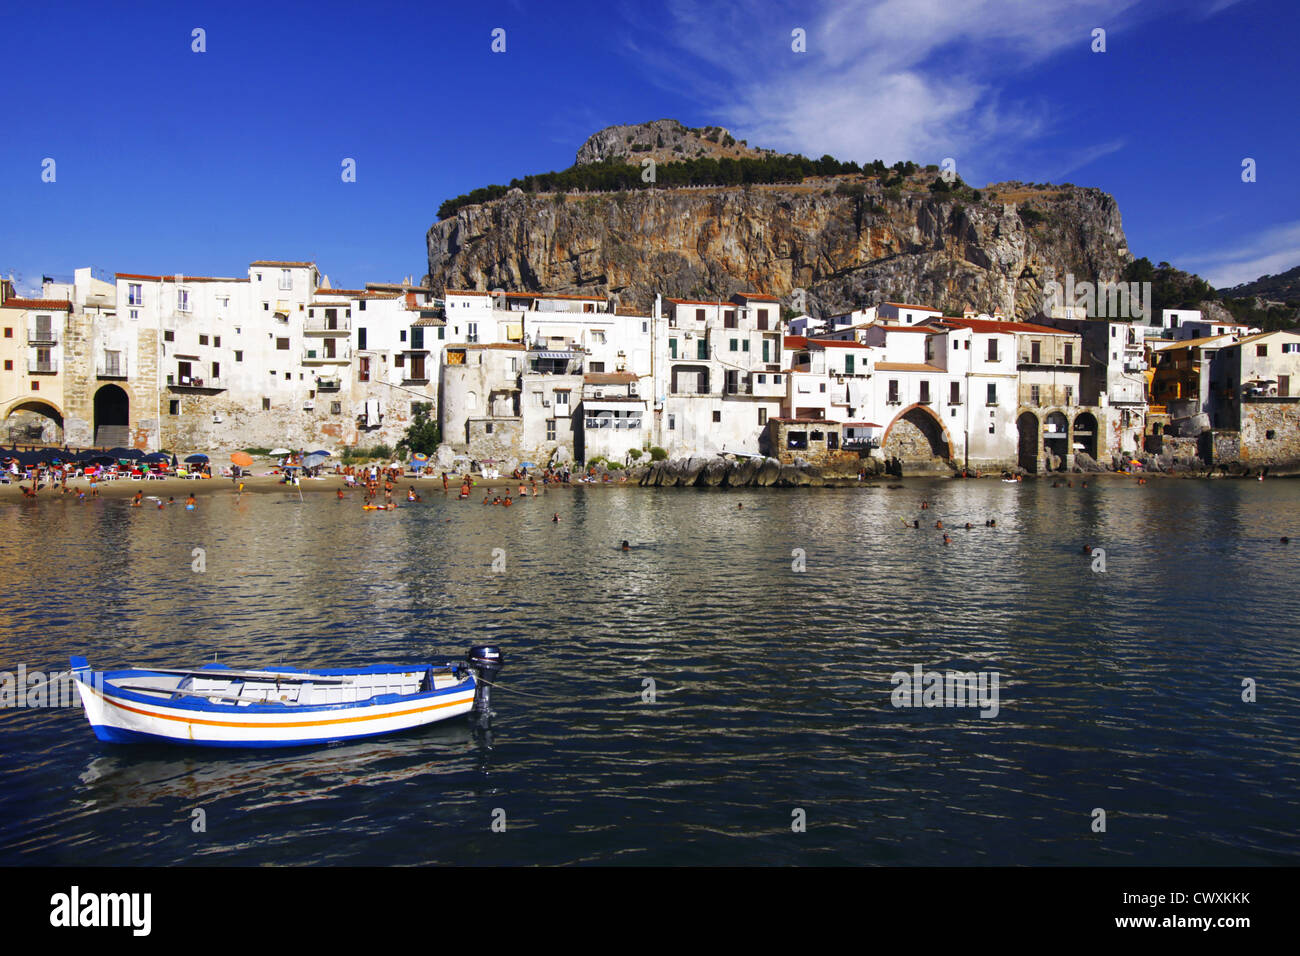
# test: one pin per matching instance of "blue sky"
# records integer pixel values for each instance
(167, 160)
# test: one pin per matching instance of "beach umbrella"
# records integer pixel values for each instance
(281, 451)
(242, 458)
(323, 452)
(420, 456)
(312, 460)
(155, 458)
(175, 463)
(196, 460)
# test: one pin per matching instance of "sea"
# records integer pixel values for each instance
(750, 682)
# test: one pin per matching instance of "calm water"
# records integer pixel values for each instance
(1119, 690)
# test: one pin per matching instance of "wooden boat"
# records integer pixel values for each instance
(215, 706)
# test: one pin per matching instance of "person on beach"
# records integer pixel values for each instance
(135, 502)
(444, 481)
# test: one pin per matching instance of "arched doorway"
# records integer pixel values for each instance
(1085, 434)
(112, 417)
(1027, 456)
(34, 423)
(916, 436)
(1056, 441)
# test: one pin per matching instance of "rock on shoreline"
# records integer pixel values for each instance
(724, 472)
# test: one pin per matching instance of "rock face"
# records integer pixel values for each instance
(848, 242)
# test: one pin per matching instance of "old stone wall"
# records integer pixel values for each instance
(1270, 432)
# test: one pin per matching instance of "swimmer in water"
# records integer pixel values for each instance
(939, 524)
(947, 540)
(924, 505)
(968, 525)
(556, 518)
(626, 546)
(135, 502)
(916, 524)
(190, 503)
(1086, 549)
(340, 494)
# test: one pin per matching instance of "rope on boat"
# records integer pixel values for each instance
(512, 690)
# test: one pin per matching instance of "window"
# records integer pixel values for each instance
(239, 356)
(282, 345)
(471, 332)
(848, 365)
(776, 379)
(9, 365)
(361, 306)
(417, 339)
(893, 392)
(598, 337)
(36, 386)
(992, 395)
(1069, 353)
(216, 341)
(489, 428)
(286, 280)
(717, 415)
(550, 429)
(744, 345)
(203, 340)
(174, 407)
(699, 315)
(216, 370)
(361, 338)
(363, 369)
(288, 376)
(399, 360)
(9, 333)
(1034, 396)
(182, 300)
(562, 398)
(672, 346)
(266, 404)
(1069, 394)
(762, 416)
(702, 349)
(135, 313)
(993, 350)
(336, 408)
(596, 367)
(729, 319)
(954, 393)
(169, 335)
(1289, 347)
(734, 343)
(925, 393)
(1270, 434)
(823, 387)
(1035, 352)
(402, 335)
(135, 294)
(1261, 350)
(672, 422)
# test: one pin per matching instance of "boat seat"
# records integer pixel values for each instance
(305, 692)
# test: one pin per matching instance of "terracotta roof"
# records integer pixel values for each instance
(1262, 335)
(609, 378)
(904, 305)
(60, 304)
(757, 297)
(698, 302)
(803, 421)
(359, 293)
(861, 424)
(836, 344)
(1204, 340)
(906, 367)
(465, 292)
(796, 341)
(427, 321)
(993, 325)
(554, 295)
(273, 262)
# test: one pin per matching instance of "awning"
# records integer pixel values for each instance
(556, 355)
(281, 308)
(515, 331)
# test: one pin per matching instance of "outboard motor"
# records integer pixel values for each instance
(485, 661)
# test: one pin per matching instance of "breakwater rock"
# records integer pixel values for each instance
(724, 472)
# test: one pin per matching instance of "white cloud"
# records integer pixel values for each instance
(1273, 251)
(888, 79)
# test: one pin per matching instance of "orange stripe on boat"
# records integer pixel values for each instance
(286, 724)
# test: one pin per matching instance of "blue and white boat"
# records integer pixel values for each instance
(215, 706)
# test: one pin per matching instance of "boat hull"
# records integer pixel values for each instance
(119, 716)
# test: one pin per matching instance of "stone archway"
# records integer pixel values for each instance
(36, 422)
(1028, 451)
(1056, 441)
(1085, 434)
(916, 436)
(112, 417)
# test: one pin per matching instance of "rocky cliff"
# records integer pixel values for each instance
(848, 241)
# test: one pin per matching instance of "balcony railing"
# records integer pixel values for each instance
(319, 356)
(42, 335)
(194, 381)
(35, 367)
(105, 369)
(328, 384)
(326, 326)
(606, 422)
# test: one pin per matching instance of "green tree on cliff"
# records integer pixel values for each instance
(422, 435)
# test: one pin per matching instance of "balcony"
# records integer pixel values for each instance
(37, 367)
(327, 326)
(328, 384)
(41, 335)
(107, 369)
(739, 388)
(323, 357)
(420, 379)
(194, 382)
(607, 422)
